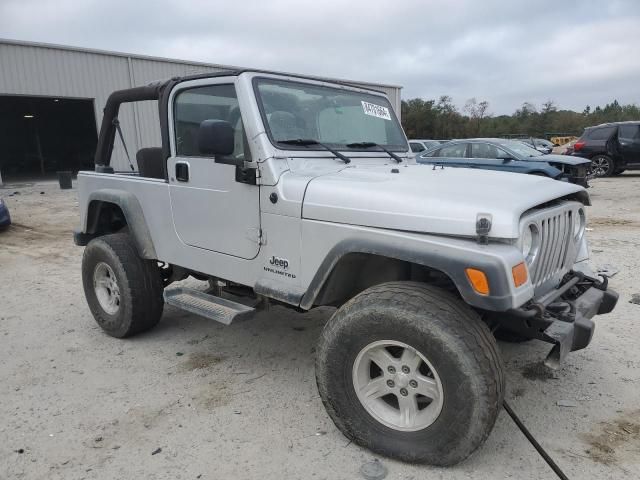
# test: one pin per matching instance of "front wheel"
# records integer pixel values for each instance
(124, 291)
(602, 166)
(411, 372)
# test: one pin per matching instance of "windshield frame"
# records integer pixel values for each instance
(339, 87)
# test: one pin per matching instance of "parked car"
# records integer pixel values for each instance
(540, 144)
(611, 147)
(418, 146)
(330, 209)
(508, 156)
(5, 218)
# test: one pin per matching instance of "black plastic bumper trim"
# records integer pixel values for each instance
(568, 331)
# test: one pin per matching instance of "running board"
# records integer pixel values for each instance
(208, 306)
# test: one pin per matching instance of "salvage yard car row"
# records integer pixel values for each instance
(507, 156)
(607, 150)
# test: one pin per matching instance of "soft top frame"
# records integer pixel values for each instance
(160, 91)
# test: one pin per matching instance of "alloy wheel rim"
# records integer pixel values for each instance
(599, 166)
(397, 385)
(106, 288)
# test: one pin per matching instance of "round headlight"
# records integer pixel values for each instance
(529, 242)
(579, 223)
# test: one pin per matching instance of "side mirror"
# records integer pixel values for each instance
(216, 137)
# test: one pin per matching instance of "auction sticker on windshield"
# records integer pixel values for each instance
(376, 110)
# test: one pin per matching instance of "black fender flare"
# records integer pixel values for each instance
(454, 268)
(130, 206)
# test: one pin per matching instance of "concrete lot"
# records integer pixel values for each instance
(241, 401)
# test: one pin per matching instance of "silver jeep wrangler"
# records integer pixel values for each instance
(286, 190)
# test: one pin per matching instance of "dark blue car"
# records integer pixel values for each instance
(507, 156)
(5, 218)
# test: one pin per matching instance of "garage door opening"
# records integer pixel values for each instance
(42, 135)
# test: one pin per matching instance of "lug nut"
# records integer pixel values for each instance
(405, 369)
(392, 369)
(413, 383)
(391, 383)
(403, 392)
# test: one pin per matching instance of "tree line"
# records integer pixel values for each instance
(440, 119)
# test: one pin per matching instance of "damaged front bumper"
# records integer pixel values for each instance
(563, 316)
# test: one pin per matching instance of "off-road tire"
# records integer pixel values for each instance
(139, 283)
(443, 329)
(596, 169)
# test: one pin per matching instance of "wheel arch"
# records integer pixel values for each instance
(109, 211)
(353, 266)
(355, 271)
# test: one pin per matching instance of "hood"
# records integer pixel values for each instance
(420, 198)
(565, 159)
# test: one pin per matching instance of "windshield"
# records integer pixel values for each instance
(521, 149)
(334, 116)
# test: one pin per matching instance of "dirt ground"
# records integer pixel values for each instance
(194, 399)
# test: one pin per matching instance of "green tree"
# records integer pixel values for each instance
(441, 119)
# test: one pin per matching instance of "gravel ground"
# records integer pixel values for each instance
(194, 399)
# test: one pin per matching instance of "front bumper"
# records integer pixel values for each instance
(577, 174)
(579, 180)
(563, 316)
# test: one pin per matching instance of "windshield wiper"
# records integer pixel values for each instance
(307, 142)
(372, 144)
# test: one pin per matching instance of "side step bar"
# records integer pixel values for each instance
(208, 306)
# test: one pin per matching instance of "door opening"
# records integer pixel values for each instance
(42, 135)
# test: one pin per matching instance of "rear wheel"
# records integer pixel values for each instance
(124, 291)
(602, 166)
(410, 371)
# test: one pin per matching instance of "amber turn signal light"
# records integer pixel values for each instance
(478, 280)
(520, 274)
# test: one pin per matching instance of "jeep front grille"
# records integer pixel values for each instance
(556, 250)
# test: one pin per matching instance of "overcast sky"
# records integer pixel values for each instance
(507, 52)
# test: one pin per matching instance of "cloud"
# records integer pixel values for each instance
(575, 53)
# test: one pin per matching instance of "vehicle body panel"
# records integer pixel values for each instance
(5, 217)
(628, 143)
(210, 197)
(305, 245)
(427, 200)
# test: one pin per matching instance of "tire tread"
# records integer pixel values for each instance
(143, 283)
(447, 312)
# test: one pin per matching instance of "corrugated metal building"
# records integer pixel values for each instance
(43, 77)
